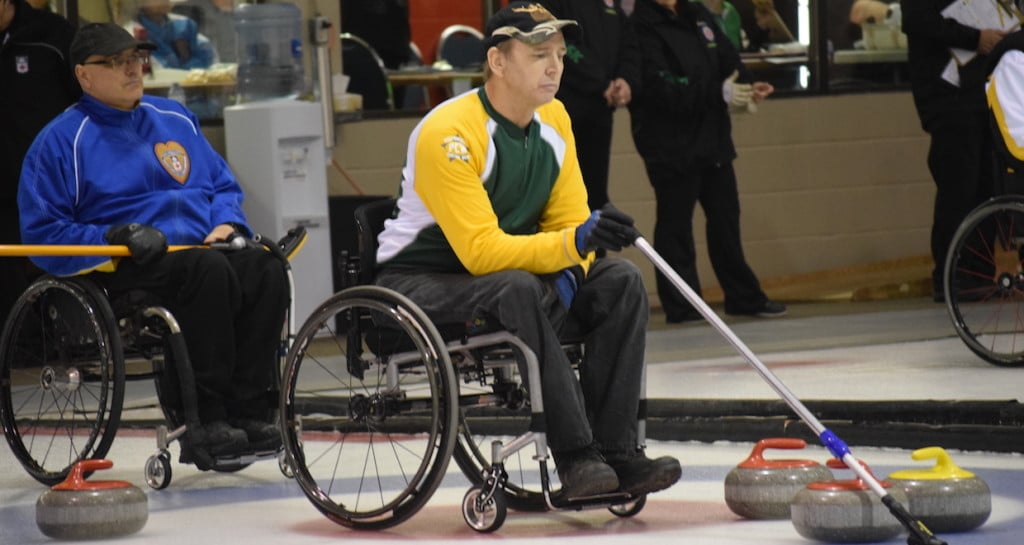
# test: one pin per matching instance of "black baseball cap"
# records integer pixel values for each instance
(527, 22)
(103, 39)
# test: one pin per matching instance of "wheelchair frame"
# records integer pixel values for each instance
(983, 281)
(64, 354)
(375, 401)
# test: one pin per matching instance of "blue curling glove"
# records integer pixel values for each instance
(608, 229)
(567, 285)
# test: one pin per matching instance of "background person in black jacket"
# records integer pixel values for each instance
(691, 75)
(601, 71)
(36, 84)
(956, 117)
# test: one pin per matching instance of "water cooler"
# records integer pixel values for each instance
(276, 149)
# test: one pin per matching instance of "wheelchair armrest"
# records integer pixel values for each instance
(291, 243)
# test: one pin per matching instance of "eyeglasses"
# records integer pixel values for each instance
(117, 63)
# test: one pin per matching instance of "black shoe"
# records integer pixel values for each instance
(218, 439)
(767, 309)
(584, 473)
(262, 436)
(689, 316)
(640, 475)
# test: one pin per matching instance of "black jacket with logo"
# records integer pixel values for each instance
(679, 114)
(36, 84)
(929, 39)
(607, 49)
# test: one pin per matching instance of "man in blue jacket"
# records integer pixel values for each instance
(122, 168)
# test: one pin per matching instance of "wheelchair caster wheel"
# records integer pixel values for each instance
(483, 516)
(629, 508)
(158, 470)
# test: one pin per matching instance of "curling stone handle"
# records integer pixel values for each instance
(78, 471)
(836, 463)
(943, 463)
(757, 455)
(76, 476)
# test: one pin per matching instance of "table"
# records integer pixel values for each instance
(432, 77)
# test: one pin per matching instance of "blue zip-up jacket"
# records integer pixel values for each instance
(94, 167)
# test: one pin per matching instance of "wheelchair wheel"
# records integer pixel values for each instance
(523, 490)
(984, 281)
(369, 408)
(62, 376)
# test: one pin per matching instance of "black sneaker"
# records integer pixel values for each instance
(584, 473)
(640, 475)
(767, 309)
(691, 315)
(219, 439)
(262, 436)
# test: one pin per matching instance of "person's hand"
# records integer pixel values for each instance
(219, 233)
(736, 94)
(566, 286)
(608, 229)
(761, 90)
(623, 94)
(988, 39)
(146, 244)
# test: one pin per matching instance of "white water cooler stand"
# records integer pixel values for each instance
(276, 150)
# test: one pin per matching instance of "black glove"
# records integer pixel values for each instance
(146, 244)
(607, 228)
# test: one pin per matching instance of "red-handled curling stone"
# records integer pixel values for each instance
(80, 509)
(945, 498)
(845, 511)
(763, 489)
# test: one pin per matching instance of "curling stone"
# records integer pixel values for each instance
(763, 489)
(80, 509)
(945, 498)
(845, 511)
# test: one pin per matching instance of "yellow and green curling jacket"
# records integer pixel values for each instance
(480, 194)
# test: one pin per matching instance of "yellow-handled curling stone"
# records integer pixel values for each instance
(845, 511)
(758, 488)
(945, 497)
(81, 509)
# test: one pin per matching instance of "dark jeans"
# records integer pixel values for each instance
(677, 191)
(609, 314)
(231, 308)
(961, 163)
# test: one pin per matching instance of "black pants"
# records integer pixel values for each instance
(677, 190)
(592, 128)
(961, 163)
(14, 271)
(231, 308)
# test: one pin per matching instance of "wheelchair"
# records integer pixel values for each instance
(377, 399)
(983, 277)
(67, 353)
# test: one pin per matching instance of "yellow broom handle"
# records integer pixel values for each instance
(15, 250)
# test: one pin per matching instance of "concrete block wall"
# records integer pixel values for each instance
(825, 182)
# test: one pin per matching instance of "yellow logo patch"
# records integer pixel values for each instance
(175, 160)
(455, 147)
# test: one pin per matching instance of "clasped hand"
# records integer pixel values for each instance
(607, 229)
(146, 244)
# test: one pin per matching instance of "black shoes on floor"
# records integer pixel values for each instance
(586, 473)
(766, 309)
(639, 474)
(583, 472)
(262, 436)
(225, 439)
